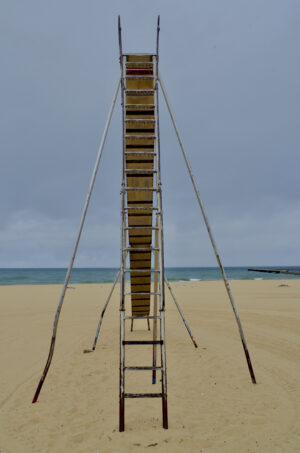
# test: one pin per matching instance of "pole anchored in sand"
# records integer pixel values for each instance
(226, 283)
(69, 271)
(180, 312)
(103, 312)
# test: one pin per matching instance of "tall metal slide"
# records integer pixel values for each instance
(142, 279)
(142, 225)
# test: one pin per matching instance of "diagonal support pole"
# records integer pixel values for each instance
(226, 283)
(69, 271)
(104, 309)
(180, 312)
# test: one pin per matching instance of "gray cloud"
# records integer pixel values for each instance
(232, 73)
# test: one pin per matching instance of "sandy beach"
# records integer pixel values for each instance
(213, 406)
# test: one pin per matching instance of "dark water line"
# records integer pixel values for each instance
(43, 276)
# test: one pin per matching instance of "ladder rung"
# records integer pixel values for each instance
(134, 250)
(139, 92)
(139, 121)
(146, 368)
(140, 170)
(146, 72)
(141, 228)
(142, 294)
(146, 208)
(141, 77)
(143, 153)
(143, 189)
(140, 249)
(141, 270)
(142, 317)
(140, 214)
(142, 395)
(145, 64)
(142, 342)
(140, 112)
(138, 137)
(133, 129)
(144, 106)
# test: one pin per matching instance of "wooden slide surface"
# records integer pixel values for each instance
(139, 137)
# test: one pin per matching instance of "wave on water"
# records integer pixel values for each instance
(51, 276)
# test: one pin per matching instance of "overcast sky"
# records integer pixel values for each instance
(232, 73)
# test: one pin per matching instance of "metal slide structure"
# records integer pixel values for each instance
(142, 279)
(142, 224)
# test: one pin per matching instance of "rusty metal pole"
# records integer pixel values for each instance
(161, 253)
(69, 271)
(155, 303)
(180, 312)
(104, 309)
(123, 255)
(226, 283)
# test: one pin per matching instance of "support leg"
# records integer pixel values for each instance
(103, 311)
(163, 372)
(122, 376)
(69, 271)
(156, 265)
(226, 283)
(180, 312)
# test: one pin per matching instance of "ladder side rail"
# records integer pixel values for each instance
(81, 224)
(157, 37)
(161, 259)
(122, 373)
(163, 371)
(159, 194)
(155, 288)
(123, 219)
(120, 37)
(123, 259)
(226, 283)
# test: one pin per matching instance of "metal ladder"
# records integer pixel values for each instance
(139, 81)
(141, 221)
